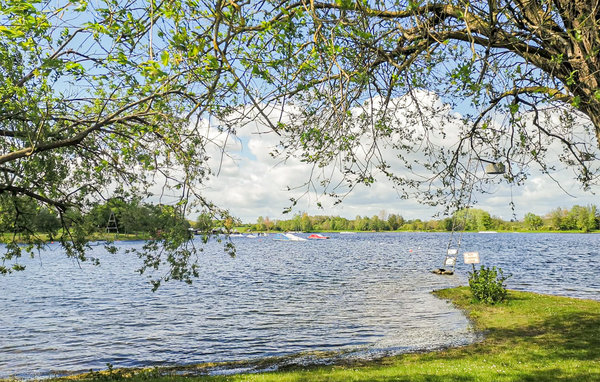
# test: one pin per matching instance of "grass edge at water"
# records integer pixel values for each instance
(530, 337)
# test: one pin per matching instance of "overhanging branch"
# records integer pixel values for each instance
(62, 206)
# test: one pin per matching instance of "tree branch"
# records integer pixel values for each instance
(62, 206)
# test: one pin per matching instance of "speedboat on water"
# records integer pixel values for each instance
(318, 236)
(288, 237)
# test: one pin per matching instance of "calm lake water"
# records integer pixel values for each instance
(361, 295)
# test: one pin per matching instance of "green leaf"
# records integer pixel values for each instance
(11, 33)
(164, 58)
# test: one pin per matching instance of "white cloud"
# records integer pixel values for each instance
(252, 183)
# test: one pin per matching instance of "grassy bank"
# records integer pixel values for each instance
(529, 338)
(45, 238)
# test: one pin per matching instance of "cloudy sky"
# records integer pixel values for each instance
(251, 183)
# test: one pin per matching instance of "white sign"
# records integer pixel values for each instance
(452, 252)
(471, 257)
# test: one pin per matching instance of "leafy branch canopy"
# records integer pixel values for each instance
(112, 97)
(368, 77)
(107, 98)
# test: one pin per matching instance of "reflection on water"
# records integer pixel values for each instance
(364, 295)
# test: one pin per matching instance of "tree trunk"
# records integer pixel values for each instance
(581, 73)
(594, 113)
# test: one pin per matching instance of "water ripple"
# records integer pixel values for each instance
(360, 296)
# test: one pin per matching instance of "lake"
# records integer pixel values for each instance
(353, 296)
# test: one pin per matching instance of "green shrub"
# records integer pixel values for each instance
(487, 285)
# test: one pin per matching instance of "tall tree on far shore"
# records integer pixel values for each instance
(533, 221)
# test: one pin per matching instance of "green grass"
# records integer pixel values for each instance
(530, 337)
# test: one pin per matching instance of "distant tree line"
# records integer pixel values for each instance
(114, 216)
(151, 220)
(134, 217)
(304, 222)
(578, 218)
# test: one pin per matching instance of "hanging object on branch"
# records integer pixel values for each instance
(495, 168)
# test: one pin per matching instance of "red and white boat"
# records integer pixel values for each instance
(317, 236)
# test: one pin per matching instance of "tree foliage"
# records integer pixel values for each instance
(472, 219)
(533, 221)
(105, 98)
(108, 98)
(580, 218)
(363, 79)
(133, 217)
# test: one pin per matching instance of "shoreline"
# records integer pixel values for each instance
(43, 240)
(529, 337)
